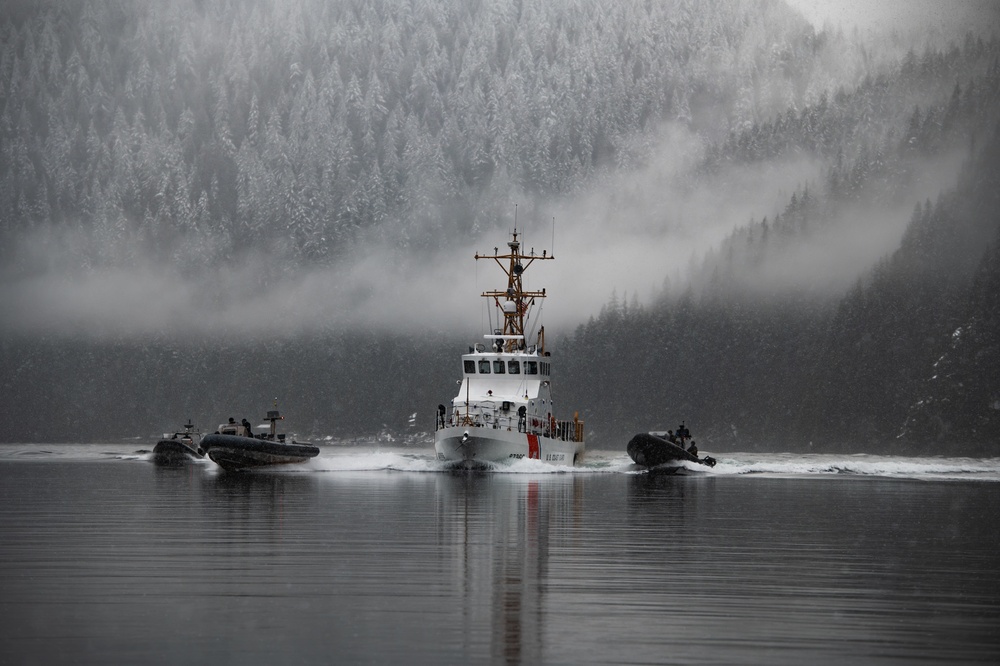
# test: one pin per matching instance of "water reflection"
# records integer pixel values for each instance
(654, 491)
(266, 487)
(503, 527)
(253, 507)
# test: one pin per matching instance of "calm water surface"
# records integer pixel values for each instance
(368, 556)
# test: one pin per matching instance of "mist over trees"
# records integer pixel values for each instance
(198, 136)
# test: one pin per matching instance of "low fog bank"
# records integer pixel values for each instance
(841, 243)
(651, 232)
(644, 227)
(637, 234)
(255, 294)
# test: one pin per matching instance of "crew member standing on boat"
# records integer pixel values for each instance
(246, 424)
(683, 434)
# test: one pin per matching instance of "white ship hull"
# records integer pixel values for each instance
(480, 445)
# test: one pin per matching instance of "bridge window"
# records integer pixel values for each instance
(484, 367)
(514, 367)
(470, 367)
(531, 367)
(498, 367)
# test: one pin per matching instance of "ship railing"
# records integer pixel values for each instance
(494, 420)
(567, 431)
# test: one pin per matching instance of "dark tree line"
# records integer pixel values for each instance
(326, 384)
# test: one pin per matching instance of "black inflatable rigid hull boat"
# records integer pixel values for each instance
(234, 452)
(650, 450)
(179, 447)
(235, 448)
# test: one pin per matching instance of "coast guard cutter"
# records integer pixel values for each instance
(503, 410)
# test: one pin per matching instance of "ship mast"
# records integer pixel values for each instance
(514, 302)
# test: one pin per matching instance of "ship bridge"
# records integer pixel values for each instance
(515, 377)
(507, 390)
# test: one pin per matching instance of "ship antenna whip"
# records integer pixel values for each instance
(553, 235)
(485, 313)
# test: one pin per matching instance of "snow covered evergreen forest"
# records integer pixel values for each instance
(204, 205)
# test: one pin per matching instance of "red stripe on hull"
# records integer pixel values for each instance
(533, 450)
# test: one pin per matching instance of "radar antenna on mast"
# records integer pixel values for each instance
(514, 302)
